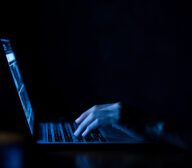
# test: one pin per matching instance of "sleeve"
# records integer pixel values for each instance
(140, 120)
(162, 128)
(134, 117)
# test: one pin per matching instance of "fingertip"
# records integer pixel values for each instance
(84, 134)
(77, 121)
(75, 134)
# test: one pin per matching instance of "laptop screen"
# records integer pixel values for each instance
(20, 86)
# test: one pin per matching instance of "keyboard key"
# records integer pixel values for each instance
(57, 132)
(49, 133)
(61, 131)
(89, 138)
(99, 136)
(66, 134)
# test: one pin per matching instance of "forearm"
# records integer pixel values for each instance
(156, 127)
(136, 118)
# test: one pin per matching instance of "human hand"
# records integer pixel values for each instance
(98, 115)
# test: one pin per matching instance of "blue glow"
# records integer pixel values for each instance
(10, 57)
(20, 86)
(13, 158)
(156, 129)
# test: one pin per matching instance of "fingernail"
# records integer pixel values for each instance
(84, 134)
(77, 120)
(75, 133)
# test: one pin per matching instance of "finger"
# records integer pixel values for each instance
(84, 124)
(83, 116)
(92, 126)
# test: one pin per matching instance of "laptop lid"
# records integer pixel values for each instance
(19, 84)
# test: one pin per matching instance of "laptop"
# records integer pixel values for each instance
(51, 133)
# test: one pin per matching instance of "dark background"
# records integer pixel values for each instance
(75, 54)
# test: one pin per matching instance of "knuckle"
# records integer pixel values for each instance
(93, 114)
(94, 107)
(82, 115)
(87, 112)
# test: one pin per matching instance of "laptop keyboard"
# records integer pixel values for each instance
(64, 132)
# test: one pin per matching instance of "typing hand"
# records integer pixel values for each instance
(96, 116)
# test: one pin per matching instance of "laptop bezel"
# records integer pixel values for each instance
(9, 85)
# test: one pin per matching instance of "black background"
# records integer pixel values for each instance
(75, 54)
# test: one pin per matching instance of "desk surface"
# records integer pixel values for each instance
(28, 156)
(17, 157)
(109, 158)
